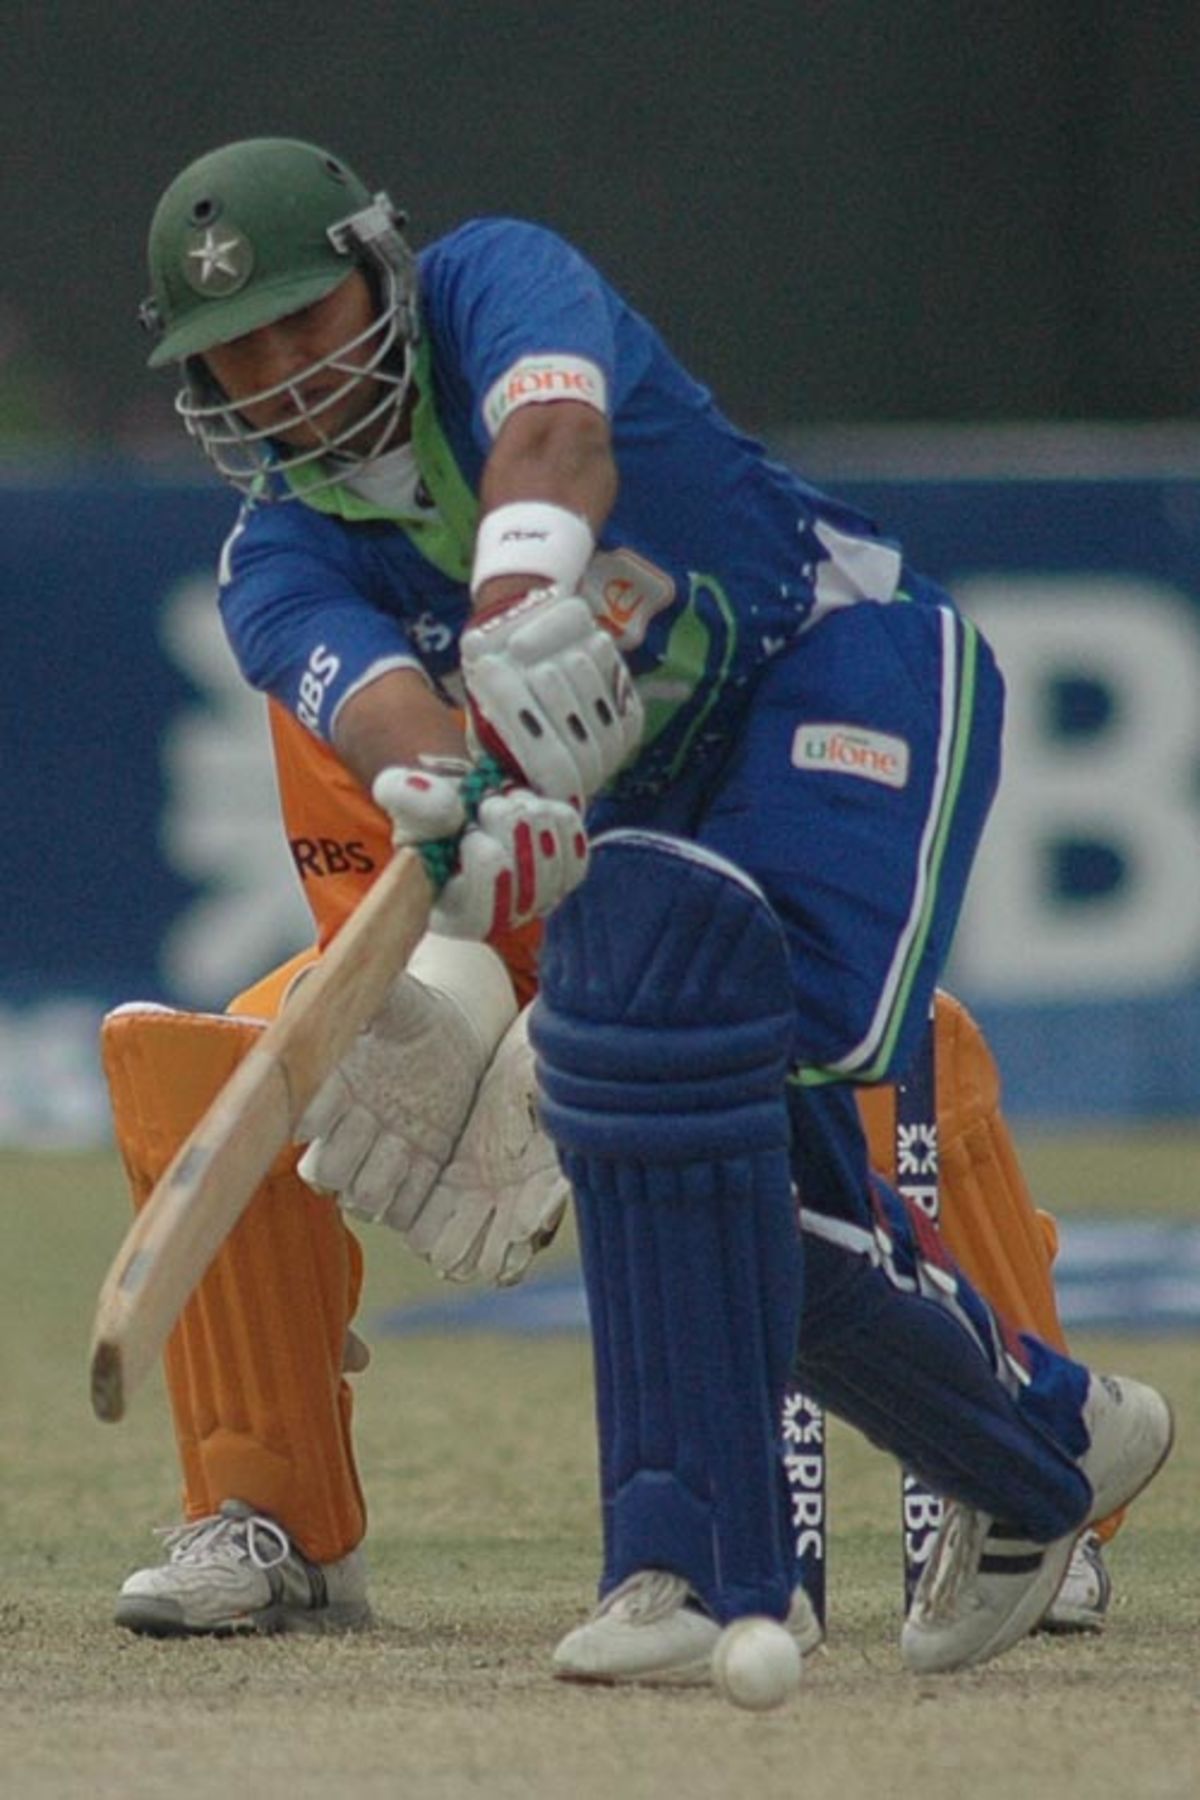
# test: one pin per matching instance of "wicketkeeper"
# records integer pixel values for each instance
(738, 756)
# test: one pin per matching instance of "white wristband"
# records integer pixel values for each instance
(532, 537)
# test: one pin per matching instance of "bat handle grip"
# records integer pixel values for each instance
(440, 855)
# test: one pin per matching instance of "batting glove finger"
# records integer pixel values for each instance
(550, 695)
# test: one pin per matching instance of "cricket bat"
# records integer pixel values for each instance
(217, 1170)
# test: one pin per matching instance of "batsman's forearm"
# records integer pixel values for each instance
(392, 722)
(560, 453)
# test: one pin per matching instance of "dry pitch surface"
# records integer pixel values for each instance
(477, 1457)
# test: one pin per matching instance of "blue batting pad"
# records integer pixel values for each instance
(663, 1031)
(905, 1373)
(897, 1342)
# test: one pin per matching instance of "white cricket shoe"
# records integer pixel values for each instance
(984, 1587)
(654, 1629)
(1082, 1602)
(238, 1571)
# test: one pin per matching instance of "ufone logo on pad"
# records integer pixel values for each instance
(848, 750)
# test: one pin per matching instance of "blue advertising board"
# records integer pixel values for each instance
(146, 858)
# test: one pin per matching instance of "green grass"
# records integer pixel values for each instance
(477, 1456)
(1153, 1170)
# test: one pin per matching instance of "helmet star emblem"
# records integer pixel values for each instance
(217, 262)
(214, 256)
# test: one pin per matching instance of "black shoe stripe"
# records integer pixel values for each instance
(994, 1562)
(318, 1587)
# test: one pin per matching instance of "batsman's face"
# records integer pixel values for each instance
(301, 379)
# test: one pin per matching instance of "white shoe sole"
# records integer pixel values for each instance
(161, 1618)
(636, 1655)
(698, 1674)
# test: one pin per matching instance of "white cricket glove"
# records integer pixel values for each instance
(518, 853)
(384, 1124)
(503, 1195)
(549, 694)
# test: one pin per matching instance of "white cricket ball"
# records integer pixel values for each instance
(756, 1663)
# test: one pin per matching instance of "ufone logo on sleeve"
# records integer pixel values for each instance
(848, 750)
(540, 378)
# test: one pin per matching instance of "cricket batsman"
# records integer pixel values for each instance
(736, 755)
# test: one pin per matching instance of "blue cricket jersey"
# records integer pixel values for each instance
(714, 559)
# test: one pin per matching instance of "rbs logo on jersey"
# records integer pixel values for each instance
(323, 665)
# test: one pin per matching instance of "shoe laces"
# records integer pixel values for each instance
(228, 1537)
(953, 1560)
(645, 1597)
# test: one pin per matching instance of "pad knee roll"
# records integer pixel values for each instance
(665, 1020)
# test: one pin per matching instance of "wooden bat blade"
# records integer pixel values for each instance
(214, 1175)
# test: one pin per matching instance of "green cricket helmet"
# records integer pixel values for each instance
(248, 234)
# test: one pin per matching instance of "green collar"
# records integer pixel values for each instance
(447, 539)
